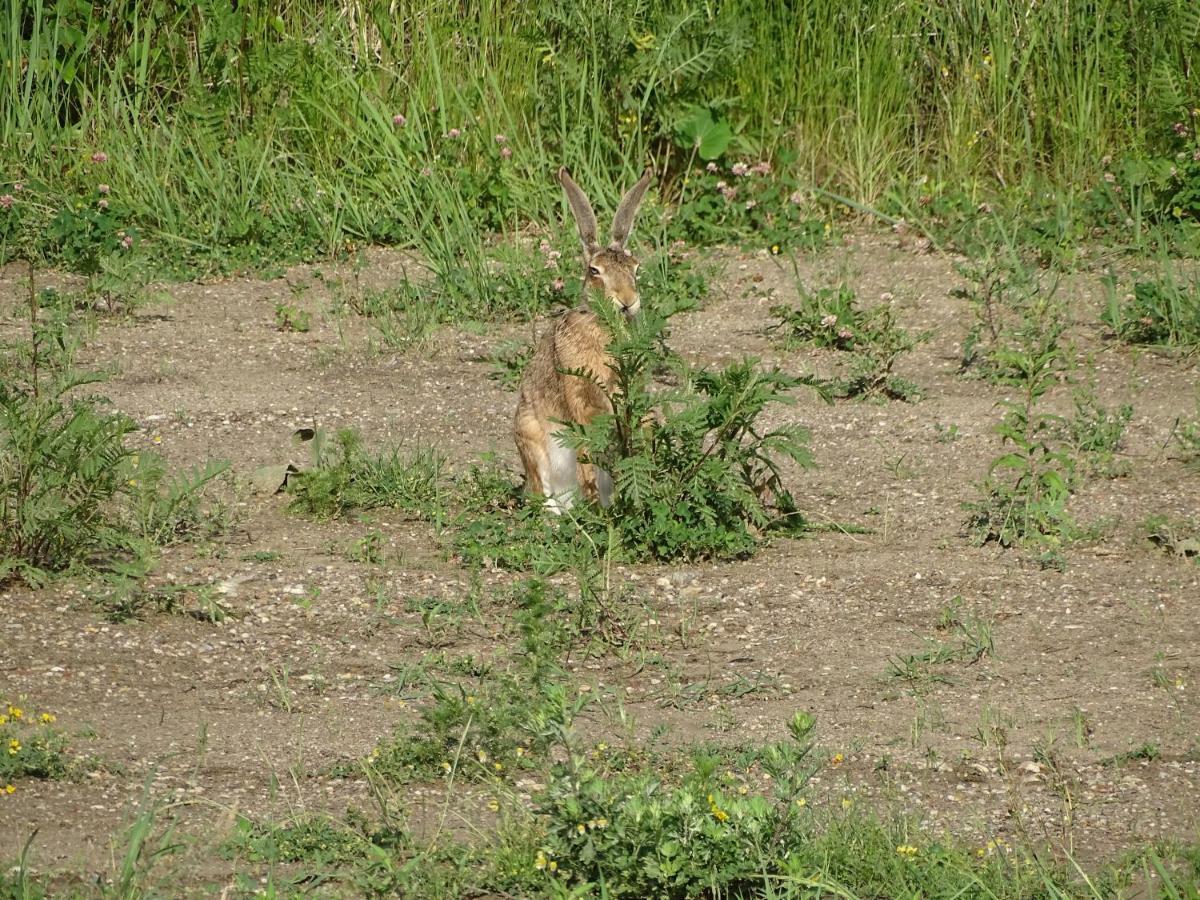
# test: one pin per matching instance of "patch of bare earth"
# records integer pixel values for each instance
(249, 714)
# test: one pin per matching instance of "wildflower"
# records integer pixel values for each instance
(945, 72)
(908, 851)
(6, 201)
(1110, 177)
(3, 719)
(712, 167)
(498, 766)
(493, 806)
(557, 284)
(540, 861)
(99, 157)
(426, 171)
(103, 188)
(18, 187)
(847, 803)
(796, 197)
(521, 750)
(470, 700)
(553, 866)
(15, 711)
(506, 152)
(127, 241)
(14, 747)
(446, 766)
(481, 755)
(740, 169)
(801, 802)
(399, 120)
(750, 204)
(602, 822)
(9, 789)
(1180, 129)
(501, 139)
(46, 718)
(1196, 156)
(581, 828)
(454, 133)
(102, 203)
(774, 249)
(158, 440)
(846, 335)
(837, 758)
(761, 168)
(828, 321)
(602, 746)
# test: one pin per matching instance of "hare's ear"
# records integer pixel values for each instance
(623, 220)
(584, 217)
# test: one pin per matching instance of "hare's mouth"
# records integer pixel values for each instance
(632, 309)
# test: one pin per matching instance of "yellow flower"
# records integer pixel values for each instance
(14, 747)
(445, 766)
(847, 803)
(470, 700)
(46, 718)
(498, 766)
(481, 755)
(774, 249)
(581, 828)
(493, 806)
(158, 439)
(540, 861)
(9, 789)
(837, 759)
(3, 720)
(601, 822)
(743, 790)
(15, 711)
(908, 851)
(553, 866)
(602, 746)
(520, 751)
(719, 814)
(800, 801)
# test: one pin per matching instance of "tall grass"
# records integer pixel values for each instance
(249, 129)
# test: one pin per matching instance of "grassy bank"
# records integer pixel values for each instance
(232, 135)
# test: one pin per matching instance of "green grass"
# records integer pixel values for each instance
(227, 135)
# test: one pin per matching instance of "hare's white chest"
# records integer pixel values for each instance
(560, 483)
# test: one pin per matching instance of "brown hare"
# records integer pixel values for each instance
(577, 340)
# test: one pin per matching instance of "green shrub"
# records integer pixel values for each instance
(695, 473)
(1163, 312)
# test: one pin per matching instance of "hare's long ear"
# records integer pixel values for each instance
(584, 217)
(623, 220)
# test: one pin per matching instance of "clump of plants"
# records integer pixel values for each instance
(831, 318)
(753, 203)
(31, 747)
(639, 834)
(1013, 310)
(1163, 312)
(695, 473)
(74, 494)
(346, 477)
(1023, 499)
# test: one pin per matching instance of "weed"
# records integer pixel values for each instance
(831, 318)
(1094, 433)
(1180, 539)
(73, 494)
(31, 747)
(367, 549)
(1025, 494)
(292, 318)
(1164, 312)
(345, 478)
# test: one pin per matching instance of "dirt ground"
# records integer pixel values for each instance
(191, 709)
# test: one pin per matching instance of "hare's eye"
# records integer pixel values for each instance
(593, 271)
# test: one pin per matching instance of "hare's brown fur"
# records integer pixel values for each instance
(576, 341)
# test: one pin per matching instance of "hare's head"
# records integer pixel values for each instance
(611, 269)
